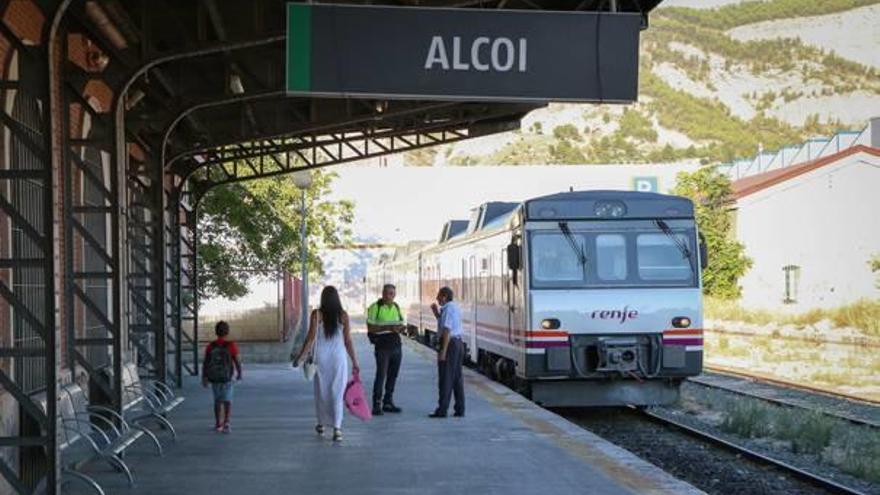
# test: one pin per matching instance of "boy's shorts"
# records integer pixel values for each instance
(222, 391)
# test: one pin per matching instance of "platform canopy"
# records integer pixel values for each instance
(219, 77)
(119, 115)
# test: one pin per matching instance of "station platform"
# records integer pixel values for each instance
(505, 445)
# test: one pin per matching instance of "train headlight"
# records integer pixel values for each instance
(611, 209)
(550, 324)
(681, 322)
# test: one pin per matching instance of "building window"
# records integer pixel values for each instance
(792, 283)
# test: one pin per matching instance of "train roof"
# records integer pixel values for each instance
(453, 228)
(608, 204)
(488, 213)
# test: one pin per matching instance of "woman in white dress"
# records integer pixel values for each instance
(330, 333)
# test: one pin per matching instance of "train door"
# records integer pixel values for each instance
(474, 290)
(516, 307)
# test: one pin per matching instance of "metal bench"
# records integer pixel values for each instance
(147, 399)
(81, 441)
(123, 433)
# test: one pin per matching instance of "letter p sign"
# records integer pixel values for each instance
(644, 184)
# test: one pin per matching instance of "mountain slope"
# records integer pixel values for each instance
(715, 84)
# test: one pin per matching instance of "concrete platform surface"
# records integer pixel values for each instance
(506, 445)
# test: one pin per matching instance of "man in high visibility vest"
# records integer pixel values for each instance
(384, 324)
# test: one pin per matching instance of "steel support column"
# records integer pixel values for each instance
(146, 289)
(29, 354)
(189, 297)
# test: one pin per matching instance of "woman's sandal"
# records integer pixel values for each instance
(319, 429)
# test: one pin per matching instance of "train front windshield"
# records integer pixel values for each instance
(641, 254)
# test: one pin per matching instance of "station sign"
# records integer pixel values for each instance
(461, 54)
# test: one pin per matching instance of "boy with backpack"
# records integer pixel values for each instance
(221, 359)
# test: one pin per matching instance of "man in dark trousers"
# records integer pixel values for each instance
(384, 324)
(451, 355)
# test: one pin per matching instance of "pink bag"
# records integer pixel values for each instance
(355, 400)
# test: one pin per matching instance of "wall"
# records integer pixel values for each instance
(824, 221)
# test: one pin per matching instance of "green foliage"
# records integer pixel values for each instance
(256, 225)
(635, 125)
(567, 153)
(759, 56)
(747, 419)
(719, 135)
(808, 432)
(740, 14)
(537, 128)
(525, 150)
(711, 121)
(710, 191)
(566, 132)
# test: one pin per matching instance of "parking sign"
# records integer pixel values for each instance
(644, 184)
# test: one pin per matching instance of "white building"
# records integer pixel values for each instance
(810, 230)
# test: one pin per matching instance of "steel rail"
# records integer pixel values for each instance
(790, 384)
(785, 403)
(813, 479)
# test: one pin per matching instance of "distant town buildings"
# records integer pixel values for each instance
(811, 227)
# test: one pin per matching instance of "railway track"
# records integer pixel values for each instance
(815, 480)
(843, 408)
(786, 383)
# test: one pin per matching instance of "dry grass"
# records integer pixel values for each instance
(860, 455)
(259, 324)
(747, 419)
(863, 315)
(851, 449)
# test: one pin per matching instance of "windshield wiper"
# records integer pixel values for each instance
(579, 251)
(682, 246)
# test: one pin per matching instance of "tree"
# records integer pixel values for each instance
(256, 226)
(711, 193)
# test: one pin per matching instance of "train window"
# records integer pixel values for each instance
(555, 260)
(611, 257)
(660, 258)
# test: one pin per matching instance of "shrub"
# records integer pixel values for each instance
(567, 132)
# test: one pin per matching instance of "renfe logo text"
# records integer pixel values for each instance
(615, 314)
(483, 54)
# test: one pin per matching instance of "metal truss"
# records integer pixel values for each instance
(188, 323)
(269, 158)
(93, 240)
(28, 358)
(266, 158)
(146, 285)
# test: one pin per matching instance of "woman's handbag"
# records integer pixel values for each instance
(310, 368)
(355, 400)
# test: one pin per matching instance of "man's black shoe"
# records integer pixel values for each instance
(377, 410)
(437, 414)
(458, 415)
(391, 408)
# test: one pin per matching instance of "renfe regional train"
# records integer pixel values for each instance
(587, 298)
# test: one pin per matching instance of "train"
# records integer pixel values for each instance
(576, 299)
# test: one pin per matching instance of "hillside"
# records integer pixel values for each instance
(715, 84)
